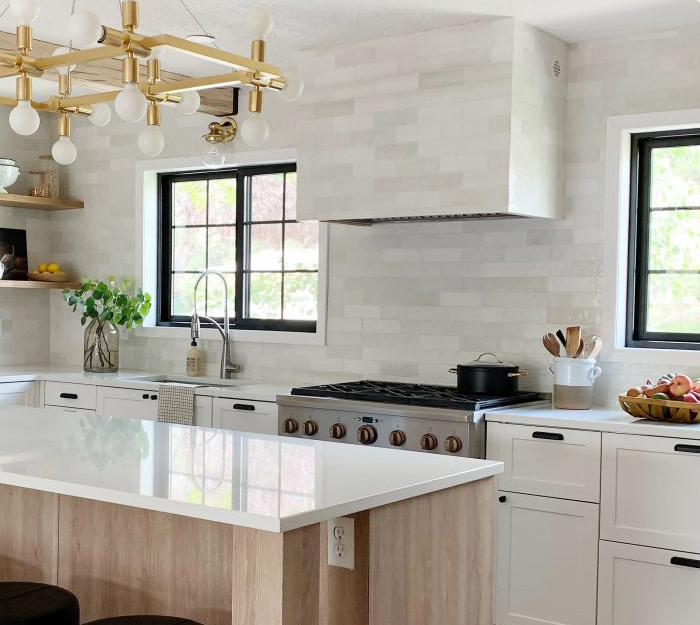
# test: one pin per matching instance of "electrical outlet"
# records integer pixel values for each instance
(341, 542)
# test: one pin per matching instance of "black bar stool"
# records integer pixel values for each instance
(29, 603)
(144, 620)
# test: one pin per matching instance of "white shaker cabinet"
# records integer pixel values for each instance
(546, 561)
(646, 586)
(259, 417)
(19, 394)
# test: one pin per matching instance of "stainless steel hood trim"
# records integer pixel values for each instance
(428, 218)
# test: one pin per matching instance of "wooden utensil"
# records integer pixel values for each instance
(595, 345)
(579, 351)
(560, 336)
(573, 340)
(551, 344)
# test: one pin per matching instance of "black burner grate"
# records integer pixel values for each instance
(428, 395)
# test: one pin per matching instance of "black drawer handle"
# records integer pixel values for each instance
(154, 397)
(243, 407)
(688, 449)
(548, 436)
(145, 396)
(688, 562)
(68, 396)
(503, 499)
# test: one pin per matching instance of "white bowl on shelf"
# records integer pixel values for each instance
(8, 176)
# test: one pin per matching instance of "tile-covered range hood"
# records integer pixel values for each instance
(459, 123)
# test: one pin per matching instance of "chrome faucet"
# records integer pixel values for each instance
(228, 368)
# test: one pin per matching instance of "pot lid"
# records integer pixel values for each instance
(477, 362)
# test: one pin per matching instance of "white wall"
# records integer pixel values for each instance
(24, 315)
(407, 301)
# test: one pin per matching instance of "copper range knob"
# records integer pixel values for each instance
(366, 434)
(453, 445)
(290, 426)
(397, 438)
(310, 427)
(428, 442)
(338, 431)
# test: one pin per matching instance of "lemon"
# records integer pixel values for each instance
(42, 267)
(53, 268)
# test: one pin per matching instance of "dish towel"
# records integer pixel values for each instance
(176, 404)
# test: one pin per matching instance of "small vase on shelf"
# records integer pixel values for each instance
(101, 347)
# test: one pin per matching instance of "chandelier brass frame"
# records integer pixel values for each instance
(130, 46)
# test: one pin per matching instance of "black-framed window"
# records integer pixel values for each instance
(663, 309)
(240, 222)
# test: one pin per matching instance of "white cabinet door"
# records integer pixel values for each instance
(646, 586)
(127, 402)
(245, 416)
(650, 491)
(546, 461)
(546, 561)
(19, 394)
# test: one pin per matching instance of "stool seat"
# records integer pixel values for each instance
(144, 620)
(30, 603)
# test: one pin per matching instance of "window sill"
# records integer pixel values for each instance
(239, 336)
(652, 356)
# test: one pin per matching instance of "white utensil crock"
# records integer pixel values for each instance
(573, 382)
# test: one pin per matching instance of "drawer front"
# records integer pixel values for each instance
(650, 491)
(245, 416)
(18, 394)
(645, 586)
(546, 461)
(57, 410)
(70, 395)
(546, 561)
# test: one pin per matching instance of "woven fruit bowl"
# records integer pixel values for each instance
(48, 277)
(661, 409)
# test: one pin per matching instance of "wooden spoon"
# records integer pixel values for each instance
(579, 351)
(551, 344)
(573, 340)
(594, 348)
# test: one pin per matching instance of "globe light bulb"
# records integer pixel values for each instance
(85, 28)
(24, 120)
(190, 103)
(64, 69)
(101, 114)
(255, 130)
(293, 88)
(64, 151)
(151, 141)
(25, 11)
(213, 155)
(258, 23)
(131, 105)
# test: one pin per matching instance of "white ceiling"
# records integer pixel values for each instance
(303, 24)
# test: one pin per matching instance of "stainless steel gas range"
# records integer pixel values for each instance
(413, 417)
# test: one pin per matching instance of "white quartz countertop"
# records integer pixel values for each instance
(596, 419)
(240, 388)
(252, 480)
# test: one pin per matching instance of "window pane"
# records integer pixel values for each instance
(290, 211)
(265, 296)
(301, 296)
(673, 240)
(222, 249)
(190, 203)
(215, 296)
(674, 303)
(183, 293)
(301, 245)
(222, 201)
(266, 247)
(267, 197)
(675, 176)
(189, 249)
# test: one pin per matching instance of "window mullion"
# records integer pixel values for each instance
(240, 233)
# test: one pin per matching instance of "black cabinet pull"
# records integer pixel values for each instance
(549, 436)
(243, 407)
(68, 396)
(145, 395)
(688, 562)
(154, 397)
(503, 499)
(688, 449)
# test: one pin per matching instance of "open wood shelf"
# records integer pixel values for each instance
(39, 203)
(36, 284)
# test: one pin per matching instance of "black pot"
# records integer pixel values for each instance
(488, 378)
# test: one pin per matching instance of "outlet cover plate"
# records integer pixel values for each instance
(341, 542)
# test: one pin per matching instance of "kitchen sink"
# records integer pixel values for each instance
(207, 382)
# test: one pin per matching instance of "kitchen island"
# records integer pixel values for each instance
(228, 527)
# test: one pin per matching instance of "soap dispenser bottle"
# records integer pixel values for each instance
(194, 360)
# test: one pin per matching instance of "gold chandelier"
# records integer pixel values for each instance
(137, 99)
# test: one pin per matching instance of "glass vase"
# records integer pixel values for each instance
(101, 347)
